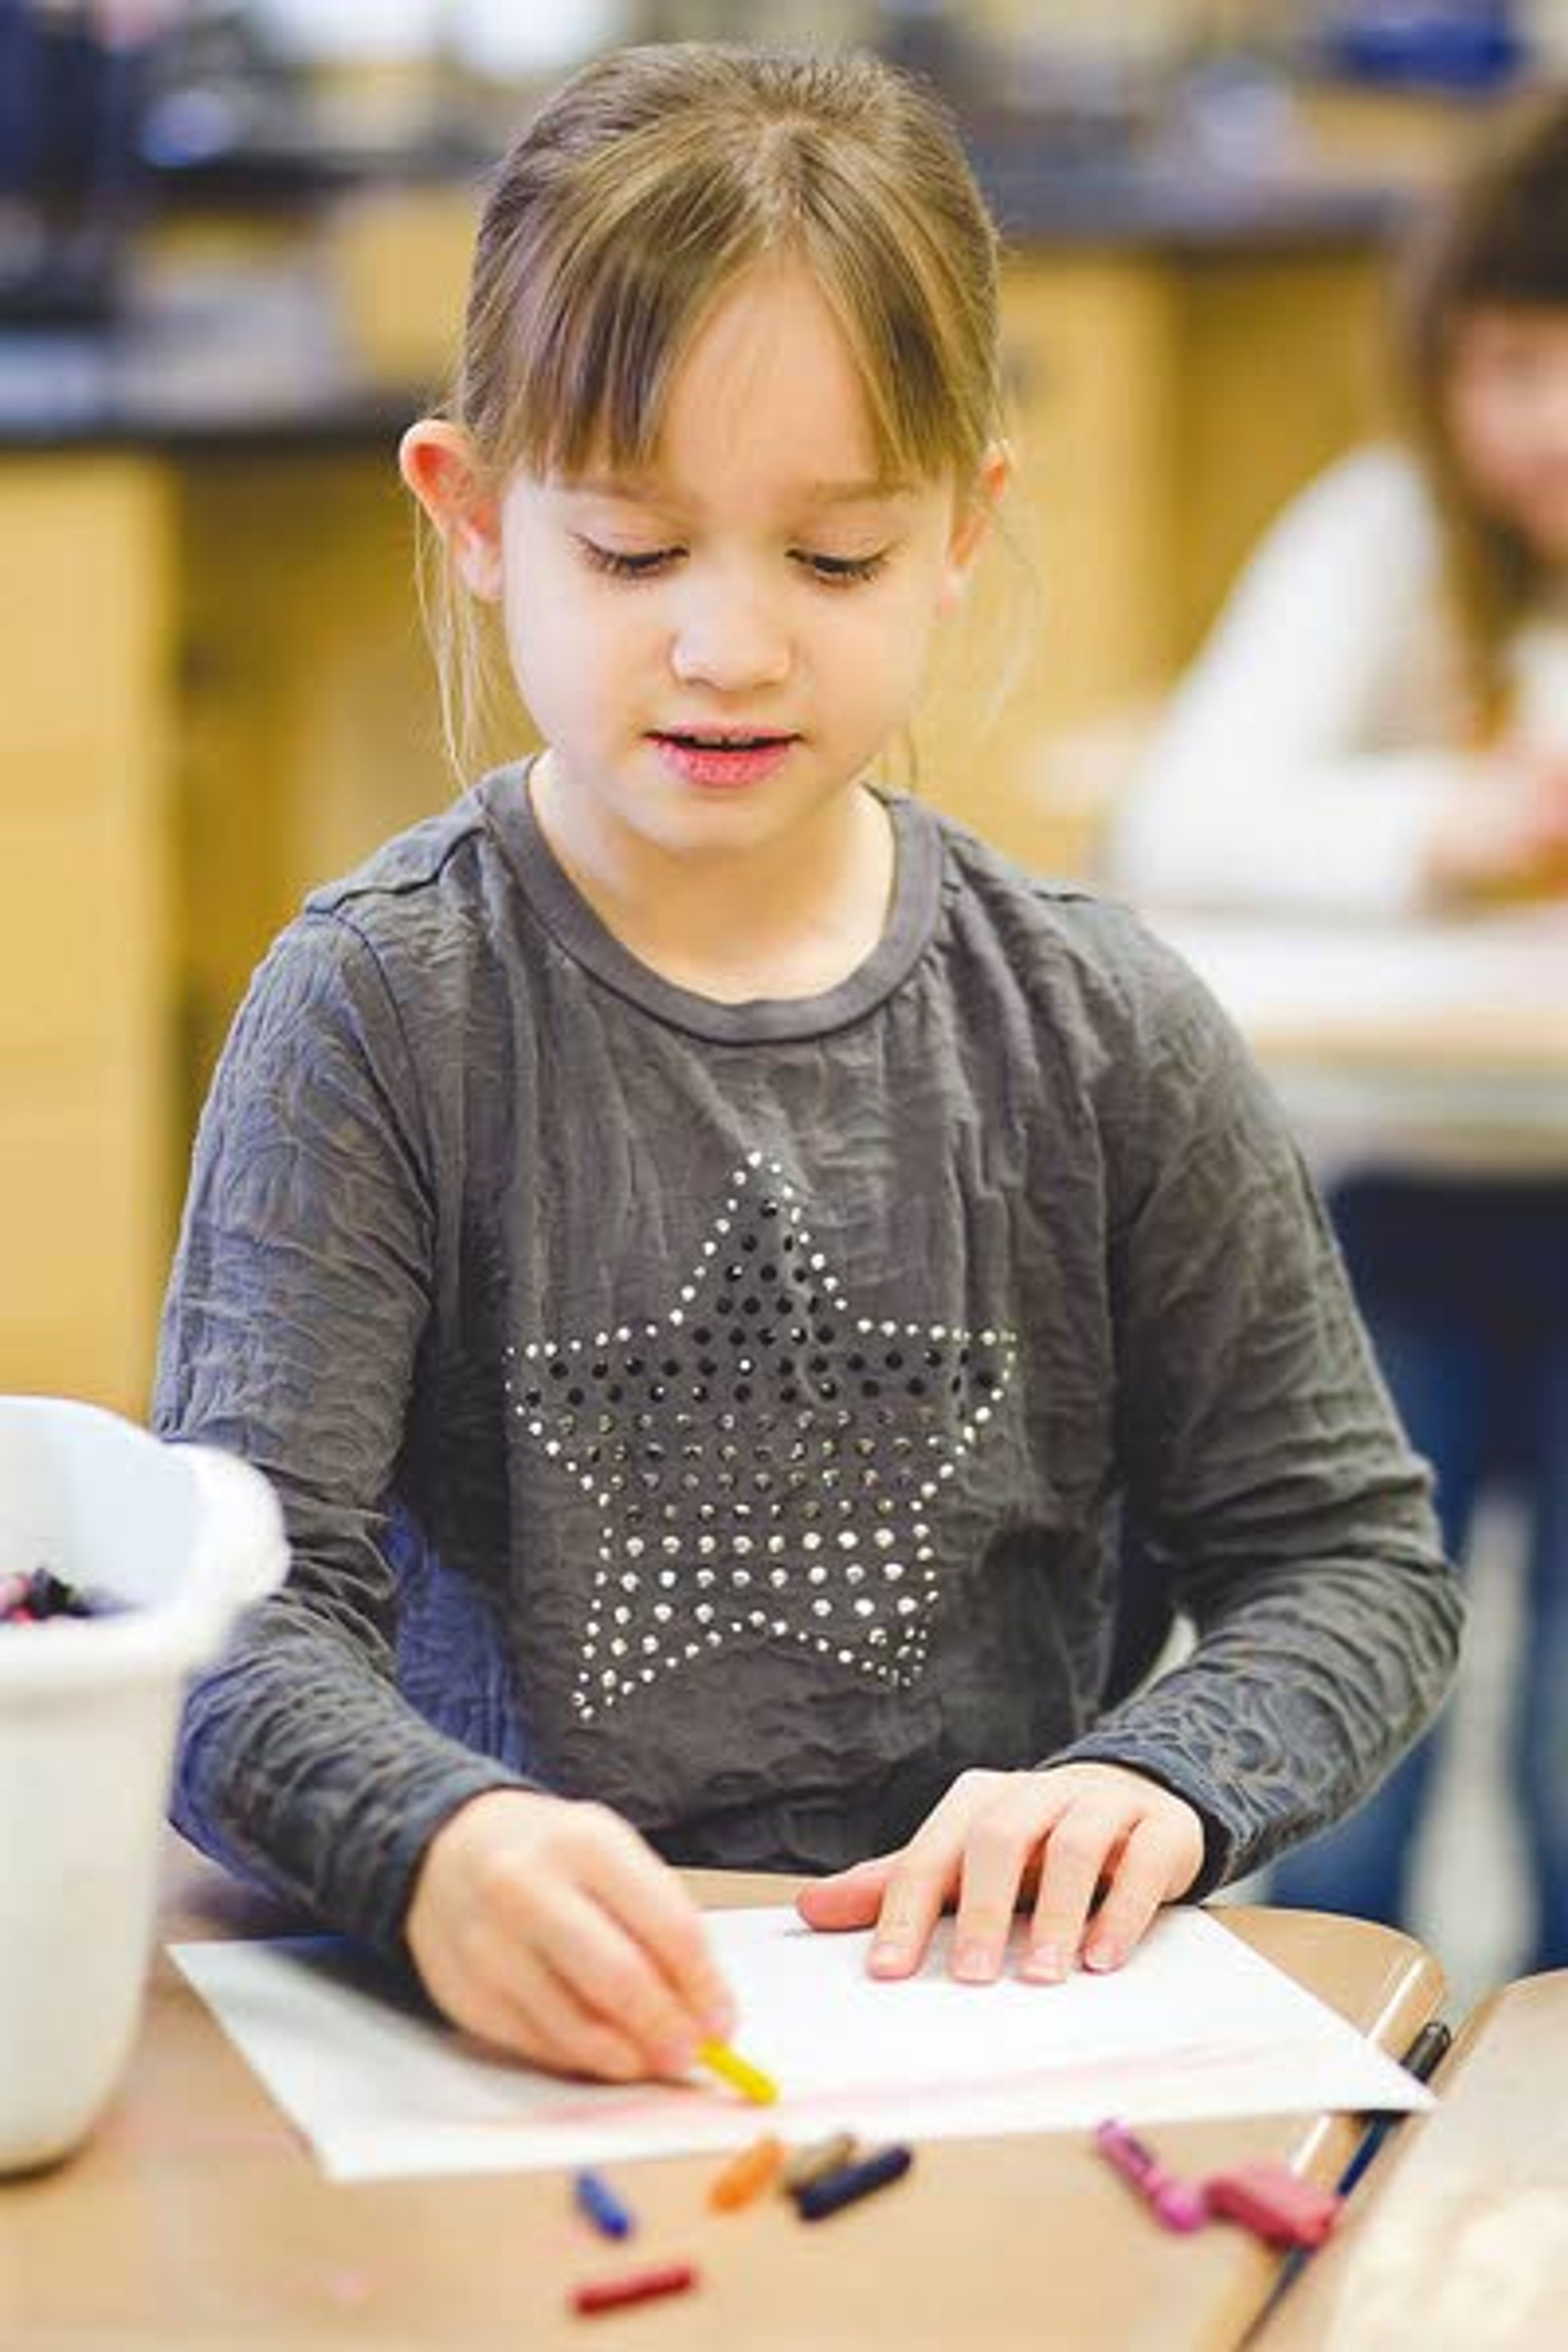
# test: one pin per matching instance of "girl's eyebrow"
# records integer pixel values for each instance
(630, 490)
(876, 492)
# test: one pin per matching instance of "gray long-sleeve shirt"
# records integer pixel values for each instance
(725, 1410)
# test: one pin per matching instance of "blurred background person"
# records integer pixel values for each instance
(1378, 729)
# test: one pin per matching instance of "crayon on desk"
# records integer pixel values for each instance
(599, 2201)
(1176, 2204)
(1276, 2204)
(752, 2170)
(638, 2286)
(831, 2191)
(822, 2155)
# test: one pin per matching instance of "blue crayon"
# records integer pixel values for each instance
(816, 2199)
(602, 2206)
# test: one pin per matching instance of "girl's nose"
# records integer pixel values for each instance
(731, 641)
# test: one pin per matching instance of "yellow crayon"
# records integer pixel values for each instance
(742, 2076)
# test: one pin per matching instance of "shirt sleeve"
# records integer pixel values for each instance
(301, 1290)
(1268, 1477)
(1271, 780)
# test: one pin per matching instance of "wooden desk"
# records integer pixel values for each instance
(1457, 2237)
(196, 2218)
(1444, 1044)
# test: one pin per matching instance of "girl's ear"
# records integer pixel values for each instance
(438, 463)
(972, 519)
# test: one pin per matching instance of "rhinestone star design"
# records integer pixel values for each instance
(765, 1465)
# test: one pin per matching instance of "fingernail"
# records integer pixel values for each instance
(889, 1953)
(974, 1964)
(1103, 1956)
(720, 2016)
(1048, 1962)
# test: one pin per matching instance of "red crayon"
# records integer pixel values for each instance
(1274, 2203)
(636, 2286)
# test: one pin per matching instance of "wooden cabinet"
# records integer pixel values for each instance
(310, 726)
(85, 1129)
(1165, 405)
(1072, 612)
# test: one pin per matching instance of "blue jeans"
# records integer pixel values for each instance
(1463, 1288)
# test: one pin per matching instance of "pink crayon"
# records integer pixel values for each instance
(1175, 2203)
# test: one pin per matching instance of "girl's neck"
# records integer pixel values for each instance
(774, 922)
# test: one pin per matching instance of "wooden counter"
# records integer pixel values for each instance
(195, 2218)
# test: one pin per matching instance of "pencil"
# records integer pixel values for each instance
(1423, 2058)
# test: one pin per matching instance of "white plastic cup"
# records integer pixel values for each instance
(183, 1538)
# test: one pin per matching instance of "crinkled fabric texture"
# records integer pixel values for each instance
(725, 1412)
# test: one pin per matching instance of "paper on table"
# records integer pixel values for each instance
(1313, 973)
(1196, 2025)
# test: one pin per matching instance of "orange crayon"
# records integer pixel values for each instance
(755, 2169)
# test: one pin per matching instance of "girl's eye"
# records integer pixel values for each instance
(623, 566)
(843, 570)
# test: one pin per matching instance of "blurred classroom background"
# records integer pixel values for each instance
(233, 240)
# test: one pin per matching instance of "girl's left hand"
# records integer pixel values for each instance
(1065, 1834)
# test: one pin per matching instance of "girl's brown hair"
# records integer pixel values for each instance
(1500, 238)
(636, 196)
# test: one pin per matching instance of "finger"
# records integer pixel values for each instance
(1140, 1882)
(918, 1885)
(849, 1898)
(660, 1918)
(1077, 1852)
(534, 2015)
(616, 1980)
(998, 1850)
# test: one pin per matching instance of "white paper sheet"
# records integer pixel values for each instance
(1196, 2025)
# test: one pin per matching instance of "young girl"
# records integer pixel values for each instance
(1380, 727)
(706, 1249)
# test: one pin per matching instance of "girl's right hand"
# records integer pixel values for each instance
(548, 1928)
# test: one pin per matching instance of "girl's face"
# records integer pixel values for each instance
(716, 649)
(1506, 407)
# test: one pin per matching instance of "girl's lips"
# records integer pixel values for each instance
(716, 766)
